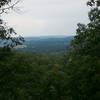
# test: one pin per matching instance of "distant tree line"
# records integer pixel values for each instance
(74, 76)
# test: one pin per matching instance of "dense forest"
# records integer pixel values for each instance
(51, 45)
(73, 76)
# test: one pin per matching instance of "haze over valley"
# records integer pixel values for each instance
(46, 45)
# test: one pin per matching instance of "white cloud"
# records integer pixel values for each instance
(48, 17)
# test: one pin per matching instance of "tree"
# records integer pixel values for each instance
(8, 36)
(87, 40)
(83, 63)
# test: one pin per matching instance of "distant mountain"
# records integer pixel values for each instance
(47, 45)
(46, 37)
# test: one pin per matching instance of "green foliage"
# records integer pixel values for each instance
(8, 36)
(83, 82)
(51, 46)
(76, 76)
(26, 77)
(82, 65)
(87, 40)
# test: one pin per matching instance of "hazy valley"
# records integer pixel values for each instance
(46, 45)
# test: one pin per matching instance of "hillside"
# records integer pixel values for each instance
(46, 45)
(50, 68)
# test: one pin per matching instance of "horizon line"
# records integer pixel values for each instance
(49, 36)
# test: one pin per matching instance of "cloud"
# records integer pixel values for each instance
(48, 17)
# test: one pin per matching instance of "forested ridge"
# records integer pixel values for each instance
(51, 46)
(73, 76)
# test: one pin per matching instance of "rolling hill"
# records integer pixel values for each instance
(46, 45)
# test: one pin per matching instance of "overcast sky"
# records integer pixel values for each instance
(48, 17)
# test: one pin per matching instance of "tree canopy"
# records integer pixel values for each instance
(87, 39)
(8, 36)
(75, 76)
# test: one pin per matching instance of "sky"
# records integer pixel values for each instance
(47, 17)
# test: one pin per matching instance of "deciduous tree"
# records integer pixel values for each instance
(8, 36)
